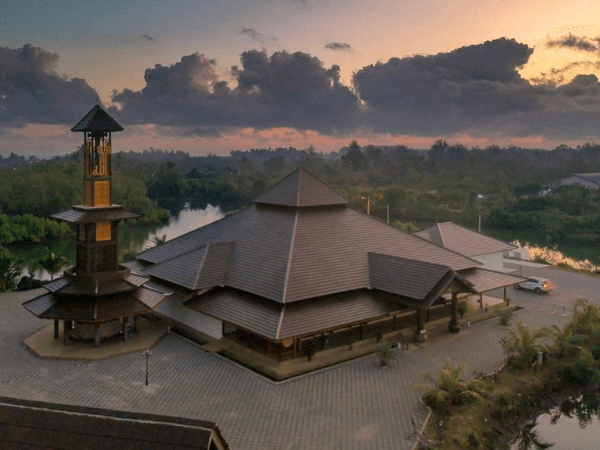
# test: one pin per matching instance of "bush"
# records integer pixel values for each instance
(448, 389)
(385, 354)
(505, 317)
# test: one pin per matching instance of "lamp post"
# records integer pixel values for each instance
(147, 354)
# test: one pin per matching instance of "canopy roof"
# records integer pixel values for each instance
(82, 214)
(97, 120)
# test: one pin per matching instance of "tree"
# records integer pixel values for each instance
(448, 389)
(521, 345)
(565, 340)
(355, 158)
(158, 240)
(10, 269)
(52, 263)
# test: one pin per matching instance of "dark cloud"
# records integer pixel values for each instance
(281, 90)
(32, 92)
(339, 46)
(210, 132)
(476, 90)
(256, 36)
(148, 38)
(447, 92)
(585, 44)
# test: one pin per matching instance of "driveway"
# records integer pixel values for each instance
(355, 405)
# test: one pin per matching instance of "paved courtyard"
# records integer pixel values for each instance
(352, 406)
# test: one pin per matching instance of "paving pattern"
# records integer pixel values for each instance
(351, 406)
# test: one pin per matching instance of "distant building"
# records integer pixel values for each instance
(487, 250)
(300, 262)
(28, 424)
(587, 180)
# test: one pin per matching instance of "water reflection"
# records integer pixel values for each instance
(552, 256)
(131, 238)
(186, 220)
(566, 426)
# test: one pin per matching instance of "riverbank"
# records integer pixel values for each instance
(542, 368)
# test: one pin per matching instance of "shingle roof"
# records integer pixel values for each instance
(300, 189)
(463, 240)
(202, 268)
(39, 425)
(406, 277)
(97, 120)
(288, 255)
(108, 307)
(276, 321)
(81, 214)
(485, 280)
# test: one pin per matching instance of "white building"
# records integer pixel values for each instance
(489, 251)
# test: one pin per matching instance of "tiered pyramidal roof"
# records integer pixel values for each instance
(301, 189)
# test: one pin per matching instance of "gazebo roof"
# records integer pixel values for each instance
(97, 120)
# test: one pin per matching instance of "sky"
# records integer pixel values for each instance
(213, 76)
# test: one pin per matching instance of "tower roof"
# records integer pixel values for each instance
(301, 188)
(97, 120)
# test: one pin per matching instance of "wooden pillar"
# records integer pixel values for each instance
(96, 335)
(454, 325)
(55, 328)
(360, 331)
(65, 331)
(135, 323)
(394, 323)
(420, 332)
(125, 327)
(504, 298)
(480, 300)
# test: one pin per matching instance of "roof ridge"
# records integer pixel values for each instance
(289, 261)
(201, 265)
(281, 314)
(441, 234)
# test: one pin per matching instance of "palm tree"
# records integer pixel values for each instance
(448, 389)
(10, 269)
(52, 263)
(521, 345)
(586, 318)
(565, 340)
(158, 240)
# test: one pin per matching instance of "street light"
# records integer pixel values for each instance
(369, 201)
(147, 354)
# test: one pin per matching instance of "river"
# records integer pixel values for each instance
(131, 238)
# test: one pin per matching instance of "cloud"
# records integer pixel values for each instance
(338, 46)
(574, 42)
(281, 90)
(148, 38)
(256, 36)
(476, 90)
(209, 132)
(32, 92)
(448, 92)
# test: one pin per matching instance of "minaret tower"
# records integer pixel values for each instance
(96, 238)
(96, 299)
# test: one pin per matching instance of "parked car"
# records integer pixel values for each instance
(536, 284)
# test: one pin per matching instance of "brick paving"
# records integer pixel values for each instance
(354, 405)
